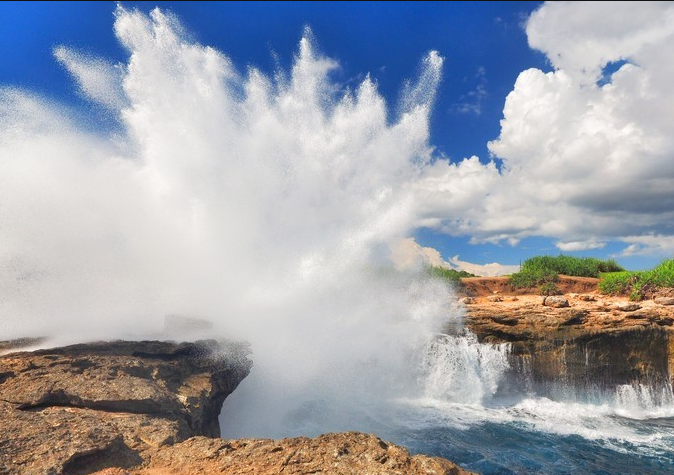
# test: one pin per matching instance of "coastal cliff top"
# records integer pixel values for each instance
(496, 312)
(484, 286)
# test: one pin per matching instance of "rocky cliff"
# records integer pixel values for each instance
(69, 410)
(583, 340)
(150, 408)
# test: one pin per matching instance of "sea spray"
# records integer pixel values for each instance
(220, 193)
(264, 205)
(457, 368)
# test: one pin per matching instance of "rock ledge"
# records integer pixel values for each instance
(151, 408)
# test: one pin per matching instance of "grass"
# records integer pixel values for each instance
(543, 271)
(549, 288)
(638, 285)
(450, 275)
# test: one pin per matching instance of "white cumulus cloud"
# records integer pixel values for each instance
(584, 161)
(408, 254)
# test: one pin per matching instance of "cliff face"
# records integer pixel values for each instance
(69, 410)
(586, 341)
(150, 408)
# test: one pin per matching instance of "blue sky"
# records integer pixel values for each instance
(538, 208)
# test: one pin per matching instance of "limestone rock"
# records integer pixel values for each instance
(588, 346)
(143, 408)
(556, 301)
(98, 405)
(343, 453)
(627, 307)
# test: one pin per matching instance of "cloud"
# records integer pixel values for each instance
(486, 270)
(583, 163)
(471, 103)
(408, 254)
(579, 245)
(657, 245)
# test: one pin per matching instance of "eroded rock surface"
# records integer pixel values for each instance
(66, 410)
(595, 341)
(151, 408)
(350, 453)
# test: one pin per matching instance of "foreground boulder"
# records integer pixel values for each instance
(68, 410)
(151, 408)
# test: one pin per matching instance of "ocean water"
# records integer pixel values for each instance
(458, 414)
(625, 429)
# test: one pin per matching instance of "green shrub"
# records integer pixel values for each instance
(541, 270)
(638, 285)
(549, 288)
(450, 275)
(615, 283)
(574, 266)
(532, 277)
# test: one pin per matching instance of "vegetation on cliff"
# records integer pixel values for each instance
(638, 285)
(450, 275)
(543, 271)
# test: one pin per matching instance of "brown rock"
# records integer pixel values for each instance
(99, 405)
(467, 300)
(588, 345)
(664, 300)
(556, 301)
(483, 286)
(495, 298)
(344, 453)
(143, 408)
(627, 307)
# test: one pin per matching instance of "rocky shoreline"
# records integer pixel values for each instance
(584, 340)
(150, 408)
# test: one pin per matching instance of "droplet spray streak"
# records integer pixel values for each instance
(264, 205)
